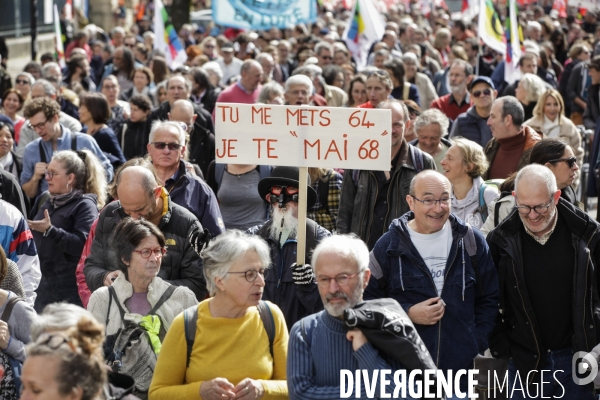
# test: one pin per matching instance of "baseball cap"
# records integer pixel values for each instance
(479, 79)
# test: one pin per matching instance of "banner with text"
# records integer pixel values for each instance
(263, 14)
(303, 136)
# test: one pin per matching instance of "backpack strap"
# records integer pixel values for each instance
(482, 206)
(42, 153)
(417, 158)
(323, 191)
(268, 322)
(113, 293)
(497, 207)
(74, 141)
(264, 171)
(405, 90)
(355, 176)
(312, 229)
(165, 296)
(10, 304)
(219, 171)
(190, 320)
(123, 137)
(471, 247)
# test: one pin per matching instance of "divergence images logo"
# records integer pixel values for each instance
(584, 367)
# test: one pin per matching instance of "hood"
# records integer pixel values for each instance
(471, 198)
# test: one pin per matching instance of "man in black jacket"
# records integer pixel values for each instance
(202, 139)
(140, 196)
(546, 252)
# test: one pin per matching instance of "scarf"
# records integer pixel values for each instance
(7, 161)
(551, 128)
(59, 200)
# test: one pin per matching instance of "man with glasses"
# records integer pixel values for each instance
(290, 286)
(512, 142)
(141, 197)
(427, 263)
(458, 100)
(324, 52)
(43, 115)
(472, 124)
(546, 253)
(371, 200)
(166, 149)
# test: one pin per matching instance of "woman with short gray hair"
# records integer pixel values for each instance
(232, 354)
(271, 93)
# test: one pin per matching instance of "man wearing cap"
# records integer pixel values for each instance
(457, 101)
(473, 123)
(292, 287)
(230, 65)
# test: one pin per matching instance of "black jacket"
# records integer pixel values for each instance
(209, 99)
(136, 139)
(201, 148)
(10, 191)
(592, 111)
(181, 265)
(128, 94)
(516, 333)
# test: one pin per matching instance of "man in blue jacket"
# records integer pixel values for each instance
(424, 263)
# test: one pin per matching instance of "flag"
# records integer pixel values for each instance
(166, 37)
(514, 44)
(365, 27)
(490, 28)
(58, 45)
(561, 7)
(263, 14)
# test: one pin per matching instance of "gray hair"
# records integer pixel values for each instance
(534, 85)
(28, 75)
(347, 246)
(47, 67)
(312, 71)
(298, 80)
(513, 107)
(57, 317)
(384, 53)
(170, 126)
(49, 88)
(410, 58)
(537, 174)
(268, 90)
(118, 29)
(322, 45)
(149, 34)
(264, 56)
(432, 116)
(225, 250)
(468, 68)
(398, 105)
(186, 82)
(213, 67)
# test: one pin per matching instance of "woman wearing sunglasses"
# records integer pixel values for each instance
(61, 219)
(232, 355)
(552, 153)
(549, 120)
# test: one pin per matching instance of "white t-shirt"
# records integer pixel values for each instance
(434, 249)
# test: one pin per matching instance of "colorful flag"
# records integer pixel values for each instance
(59, 51)
(166, 37)
(365, 27)
(514, 44)
(490, 27)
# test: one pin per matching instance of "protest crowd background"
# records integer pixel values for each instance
(117, 223)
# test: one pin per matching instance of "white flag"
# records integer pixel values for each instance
(166, 38)
(514, 37)
(60, 51)
(365, 27)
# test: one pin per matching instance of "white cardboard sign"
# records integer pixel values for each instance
(303, 136)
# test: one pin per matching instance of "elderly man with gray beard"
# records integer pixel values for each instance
(292, 287)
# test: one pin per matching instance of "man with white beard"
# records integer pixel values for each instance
(292, 287)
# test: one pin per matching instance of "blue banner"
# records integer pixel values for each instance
(263, 14)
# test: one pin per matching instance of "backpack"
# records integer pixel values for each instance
(190, 320)
(11, 381)
(415, 154)
(483, 210)
(131, 351)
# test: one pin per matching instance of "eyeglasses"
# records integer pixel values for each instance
(146, 253)
(22, 81)
(539, 209)
(130, 44)
(49, 174)
(55, 341)
(341, 280)
(37, 126)
(570, 161)
(276, 190)
(431, 203)
(171, 146)
(484, 92)
(326, 57)
(252, 274)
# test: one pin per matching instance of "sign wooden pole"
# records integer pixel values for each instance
(301, 235)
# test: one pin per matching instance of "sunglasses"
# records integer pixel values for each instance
(484, 92)
(326, 57)
(570, 161)
(22, 81)
(162, 145)
(276, 190)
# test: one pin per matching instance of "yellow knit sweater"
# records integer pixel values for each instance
(231, 348)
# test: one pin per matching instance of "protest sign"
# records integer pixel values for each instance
(264, 14)
(303, 136)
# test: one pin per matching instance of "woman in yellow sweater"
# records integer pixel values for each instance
(231, 355)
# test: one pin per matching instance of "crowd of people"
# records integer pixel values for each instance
(118, 224)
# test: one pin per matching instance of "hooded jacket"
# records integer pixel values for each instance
(468, 209)
(398, 271)
(492, 149)
(473, 127)
(517, 333)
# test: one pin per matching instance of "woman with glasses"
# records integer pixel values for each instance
(61, 219)
(463, 165)
(549, 119)
(231, 356)
(379, 88)
(23, 83)
(552, 153)
(139, 247)
(208, 46)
